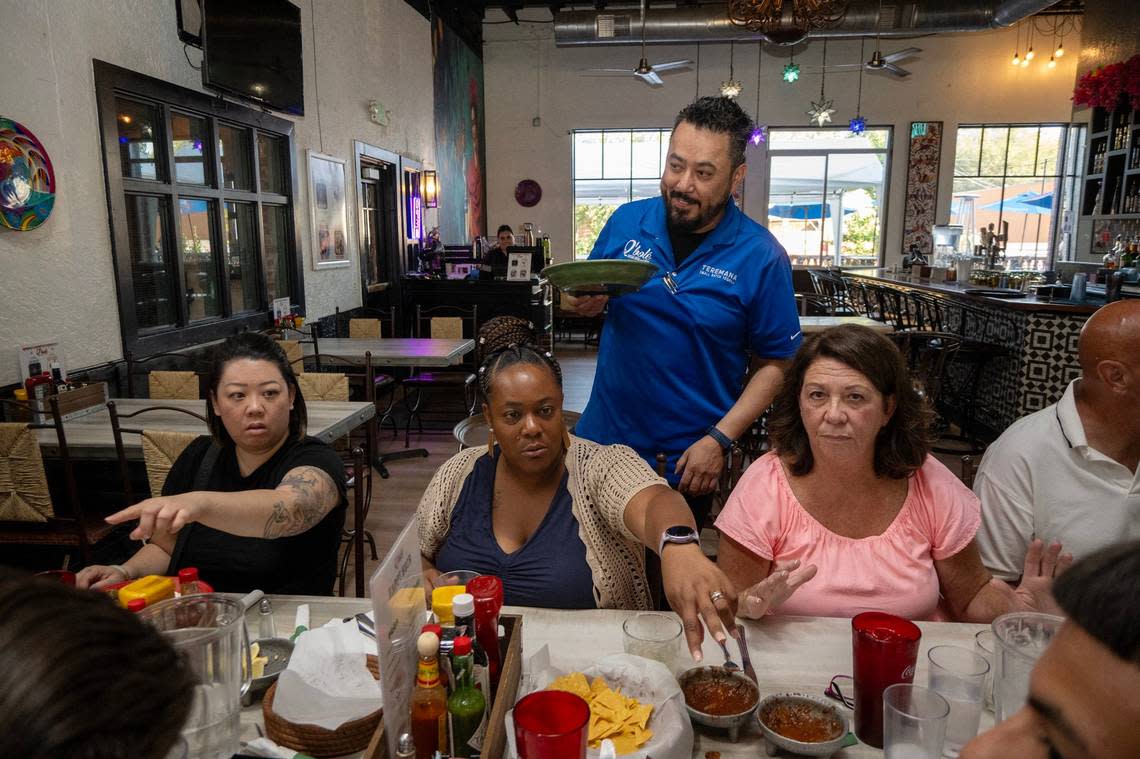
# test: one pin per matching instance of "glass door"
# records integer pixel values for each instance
(796, 206)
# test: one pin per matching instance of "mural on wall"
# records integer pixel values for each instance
(459, 153)
(922, 186)
(27, 179)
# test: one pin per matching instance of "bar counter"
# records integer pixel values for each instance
(1037, 341)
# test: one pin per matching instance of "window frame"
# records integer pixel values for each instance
(112, 82)
(1068, 175)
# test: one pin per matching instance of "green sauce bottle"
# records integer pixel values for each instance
(467, 706)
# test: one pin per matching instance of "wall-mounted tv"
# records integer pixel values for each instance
(253, 50)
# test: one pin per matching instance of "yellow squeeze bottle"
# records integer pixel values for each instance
(152, 589)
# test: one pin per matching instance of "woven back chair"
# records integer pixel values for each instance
(173, 372)
(161, 447)
(323, 386)
(442, 322)
(169, 386)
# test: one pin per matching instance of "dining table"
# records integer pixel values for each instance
(90, 436)
(394, 351)
(789, 654)
(809, 324)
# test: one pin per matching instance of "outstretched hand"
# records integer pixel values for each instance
(1042, 565)
(775, 589)
(164, 515)
(698, 590)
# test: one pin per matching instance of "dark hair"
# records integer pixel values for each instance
(902, 444)
(81, 677)
(722, 115)
(506, 341)
(1101, 594)
(256, 347)
(504, 228)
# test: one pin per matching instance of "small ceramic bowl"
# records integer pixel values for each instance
(730, 722)
(278, 650)
(815, 706)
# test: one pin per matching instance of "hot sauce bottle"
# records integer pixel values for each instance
(429, 700)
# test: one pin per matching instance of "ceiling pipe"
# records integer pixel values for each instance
(709, 23)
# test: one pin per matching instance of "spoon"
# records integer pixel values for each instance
(729, 664)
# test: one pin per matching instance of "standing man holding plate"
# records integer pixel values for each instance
(689, 361)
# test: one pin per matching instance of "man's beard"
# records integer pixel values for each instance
(679, 223)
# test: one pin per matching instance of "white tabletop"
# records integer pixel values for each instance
(789, 654)
(395, 351)
(90, 436)
(819, 323)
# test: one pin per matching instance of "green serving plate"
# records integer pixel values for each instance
(611, 277)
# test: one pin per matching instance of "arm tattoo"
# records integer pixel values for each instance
(314, 495)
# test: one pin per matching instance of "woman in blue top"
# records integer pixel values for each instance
(563, 521)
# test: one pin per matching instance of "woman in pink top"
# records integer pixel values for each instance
(850, 513)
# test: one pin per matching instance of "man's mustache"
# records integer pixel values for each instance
(682, 196)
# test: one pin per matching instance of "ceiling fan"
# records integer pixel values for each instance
(880, 62)
(644, 71)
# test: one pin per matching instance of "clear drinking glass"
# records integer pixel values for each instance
(1021, 639)
(984, 645)
(654, 636)
(959, 676)
(914, 722)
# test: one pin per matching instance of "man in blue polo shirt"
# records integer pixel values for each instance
(673, 360)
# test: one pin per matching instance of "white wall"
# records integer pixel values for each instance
(58, 281)
(961, 78)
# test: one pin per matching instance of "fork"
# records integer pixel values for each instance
(742, 642)
(729, 664)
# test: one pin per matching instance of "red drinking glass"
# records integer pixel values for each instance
(59, 575)
(551, 724)
(885, 650)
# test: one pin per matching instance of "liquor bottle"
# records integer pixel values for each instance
(467, 707)
(429, 701)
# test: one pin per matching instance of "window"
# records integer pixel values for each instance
(611, 167)
(201, 198)
(826, 191)
(1025, 175)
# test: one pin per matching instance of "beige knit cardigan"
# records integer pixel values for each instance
(602, 479)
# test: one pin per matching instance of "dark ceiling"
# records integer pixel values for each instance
(512, 7)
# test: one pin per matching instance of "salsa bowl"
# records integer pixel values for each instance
(720, 698)
(801, 724)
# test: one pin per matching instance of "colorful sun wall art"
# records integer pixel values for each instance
(27, 179)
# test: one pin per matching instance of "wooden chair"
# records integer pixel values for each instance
(165, 383)
(323, 386)
(29, 514)
(161, 448)
(454, 322)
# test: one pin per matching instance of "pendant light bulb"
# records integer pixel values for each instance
(1024, 62)
(1029, 54)
(1060, 51)
(1052, 62)
(1016, 60)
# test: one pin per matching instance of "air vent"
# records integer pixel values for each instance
(610, 26)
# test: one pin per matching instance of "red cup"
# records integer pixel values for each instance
(551, 724)
(59, 575)
(885, 650)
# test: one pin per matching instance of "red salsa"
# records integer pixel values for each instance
(801, 721)
(719, 696)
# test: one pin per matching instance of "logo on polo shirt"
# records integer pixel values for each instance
(722, 274)
(633, 249)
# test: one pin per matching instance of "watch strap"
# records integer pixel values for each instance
(723, 440)
(692, 537)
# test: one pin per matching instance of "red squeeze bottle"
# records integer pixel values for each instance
(188, 581)
(487, 590)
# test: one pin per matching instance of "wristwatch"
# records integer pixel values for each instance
(723, 440)
(679, 534)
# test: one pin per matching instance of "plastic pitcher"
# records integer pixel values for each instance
(209, 630)
(1021, 639)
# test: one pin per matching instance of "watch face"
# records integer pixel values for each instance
(680, 531)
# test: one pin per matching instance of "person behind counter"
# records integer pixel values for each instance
(257, 504)
(851, 492)
(563, 521)
(497, 259)
(82, 677)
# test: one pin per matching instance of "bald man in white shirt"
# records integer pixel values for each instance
(1068, 473)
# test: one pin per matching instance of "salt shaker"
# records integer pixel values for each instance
(266, 629)
(405, 749)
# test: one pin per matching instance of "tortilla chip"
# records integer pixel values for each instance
(622, 719)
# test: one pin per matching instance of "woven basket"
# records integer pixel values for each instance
(317, 741)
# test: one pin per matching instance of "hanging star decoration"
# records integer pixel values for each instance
(791, 72)
(821, 110)
(730, 88)
(760, 131)
(759, 135)
(858, 125)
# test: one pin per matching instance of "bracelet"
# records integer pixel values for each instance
(723, 440)
(123, 570)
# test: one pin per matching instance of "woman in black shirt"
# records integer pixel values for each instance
(496, 259)
(255, 505)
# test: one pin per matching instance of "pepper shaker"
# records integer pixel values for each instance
(265, 626)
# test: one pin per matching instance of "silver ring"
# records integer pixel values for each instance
(715, 596)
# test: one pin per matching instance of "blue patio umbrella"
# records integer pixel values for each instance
(1026, 202)
(803, 211)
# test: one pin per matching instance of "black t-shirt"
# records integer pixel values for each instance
(684, 243)
(302, 564)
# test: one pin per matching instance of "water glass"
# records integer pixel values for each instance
(959, 676)
(654, 636)
(884, 650)
(914, 722)
(551, 724)
(984, 646)
(1021, 639)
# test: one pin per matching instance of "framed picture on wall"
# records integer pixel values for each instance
(328, 211)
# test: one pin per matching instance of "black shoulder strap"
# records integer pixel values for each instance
(201, 482)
